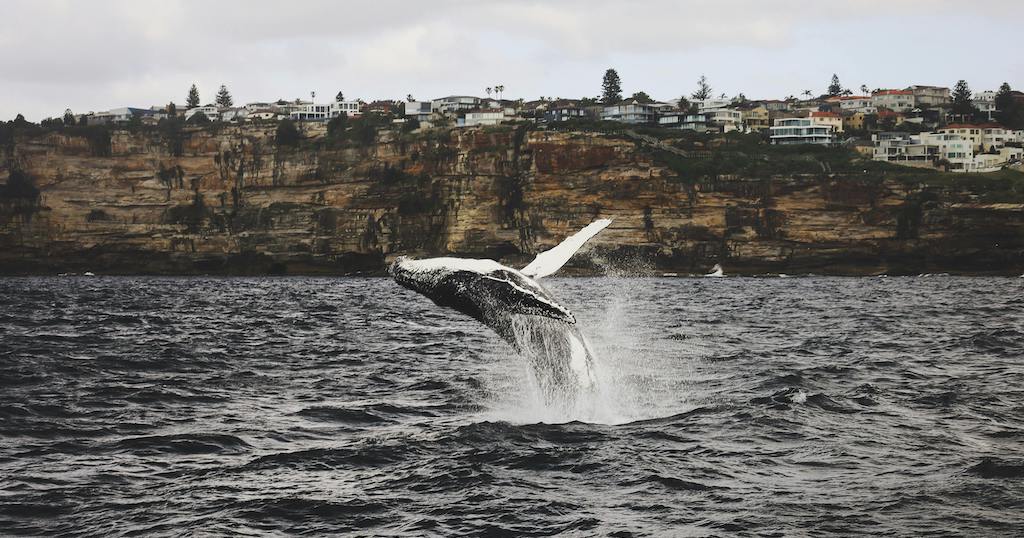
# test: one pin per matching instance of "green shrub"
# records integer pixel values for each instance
(287, 134)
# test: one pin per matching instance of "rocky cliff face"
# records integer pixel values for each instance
(230, 200)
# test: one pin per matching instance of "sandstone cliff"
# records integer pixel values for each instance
(229, 200)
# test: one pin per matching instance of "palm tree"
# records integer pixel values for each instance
(863, 89)
(488, 90)
(808, 93)
(500, 88)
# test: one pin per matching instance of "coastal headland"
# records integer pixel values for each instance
(225, 199)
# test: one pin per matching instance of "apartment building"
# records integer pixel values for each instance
(801, 131)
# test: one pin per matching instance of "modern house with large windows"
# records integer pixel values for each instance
(418, 110)
(324, 112)
(565, 112)
(685, 122)
(484, 116)
(801, 131)
(453, 104)
(630, 112)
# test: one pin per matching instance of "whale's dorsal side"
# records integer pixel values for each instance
(550, 261)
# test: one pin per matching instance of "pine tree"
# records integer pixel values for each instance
(611, 87)
(192, 100)
(703, 89)
(224, 99)
(1009, 111)
(835, 88)
(69, 117)
(340, 97)
(962, 105)
(172, 109)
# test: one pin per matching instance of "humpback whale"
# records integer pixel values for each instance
(515, 306)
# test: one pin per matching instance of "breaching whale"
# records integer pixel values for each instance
(513, 304)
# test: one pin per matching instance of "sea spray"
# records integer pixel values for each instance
(635, 375)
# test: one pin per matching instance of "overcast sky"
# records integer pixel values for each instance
(100, 54)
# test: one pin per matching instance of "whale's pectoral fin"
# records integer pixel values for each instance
(549, 261)
(516, 299)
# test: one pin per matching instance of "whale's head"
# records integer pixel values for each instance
(415, 276)
(476, 287)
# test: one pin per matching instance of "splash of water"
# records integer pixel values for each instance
(561, 375)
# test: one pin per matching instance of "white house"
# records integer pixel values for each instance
(324, 112)
(418, 110)
(350, 108)
(705, 105)
(683, 121)
(727, 119)
(801, 131)
(264, 114)
(629, 112)
(485, 116)
(957, 145)
(233, 114)
(985, 102)
(453, 104)
(211, 112)
(857, 103)
(252, 107)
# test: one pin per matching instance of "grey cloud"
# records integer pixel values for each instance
(98, 53)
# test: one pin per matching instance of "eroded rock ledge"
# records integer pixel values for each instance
(229, 201)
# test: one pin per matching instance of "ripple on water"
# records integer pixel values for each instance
(324, 406)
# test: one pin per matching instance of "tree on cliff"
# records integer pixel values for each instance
(642, 98)
(69, 117)
(192, 100)
(703, 89)
(1009, 109)
(963, 107)
(337, 126)
(172, 109)
(611, 87)
(287, 134)
(686, 106)
(224, 99)
(835, 88)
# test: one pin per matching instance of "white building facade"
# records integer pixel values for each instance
(801, 131)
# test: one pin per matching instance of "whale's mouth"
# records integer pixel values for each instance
(400, 272)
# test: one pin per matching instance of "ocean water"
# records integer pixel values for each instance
(344, 406)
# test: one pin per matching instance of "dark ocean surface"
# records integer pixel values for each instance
(343, 406)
